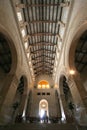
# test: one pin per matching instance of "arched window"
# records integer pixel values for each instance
(43, 85)
(43, 107)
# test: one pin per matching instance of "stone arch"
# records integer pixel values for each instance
(12, 49)
(74, 43)
(43, 84)
(67, 105)
(44, 77)
(19, 103)
(80, 76)
(43, 106)
(77, 80)
(8, 54)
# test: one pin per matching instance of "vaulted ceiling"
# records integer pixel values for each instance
(42, 21)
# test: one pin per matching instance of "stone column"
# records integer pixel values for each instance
(23, 105)
(81, 90)
(4, 90)
(76, 81)
(8, 94)
(79, 95)
(65, 108)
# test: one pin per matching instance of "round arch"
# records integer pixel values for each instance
(43, 106)
(19, 103)
(75, 48)
(43, 84)
(74, 43)
(8, 62)
(76, 63)
(12, 47)
(67, 105)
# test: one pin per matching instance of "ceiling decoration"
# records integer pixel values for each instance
(40, 22)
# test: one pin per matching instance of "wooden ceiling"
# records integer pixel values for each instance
(42, 20)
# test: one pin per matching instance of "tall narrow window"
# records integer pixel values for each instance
(43, 108)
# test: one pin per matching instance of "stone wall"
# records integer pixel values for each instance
(53, 105)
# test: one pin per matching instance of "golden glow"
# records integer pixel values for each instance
(43, 105)
(43, 85)
(72, 72)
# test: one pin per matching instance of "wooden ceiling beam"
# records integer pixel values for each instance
(43, 56)
(43, 66)
(42, 72)
(41, 21)
(42, 44)
(42, 62)
(38, 67)
(62, 4)
(43, 50)
(44, 69)
(42, 34)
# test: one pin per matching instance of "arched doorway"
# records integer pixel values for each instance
(43, 109)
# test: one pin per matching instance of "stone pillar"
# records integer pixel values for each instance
(65, 108)
(76, 80)
(4, 90)
(8, 94)
(81, 90)
(79, 95)
(23, 105)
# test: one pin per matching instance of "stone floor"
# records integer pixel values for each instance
(39, 126)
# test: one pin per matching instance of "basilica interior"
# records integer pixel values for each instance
(43, 64)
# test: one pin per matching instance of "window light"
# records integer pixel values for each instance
(26, 45)
(72, 72)
(47, 86)
(31, 69)
(60, 45)
(30, 63)
(57, 54)
(43, 86)
(39, 86)
(23, 33)
(19, 15)
(27, 55)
